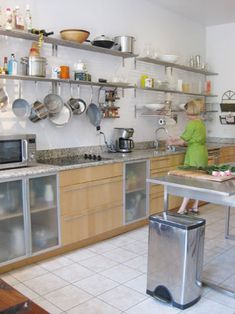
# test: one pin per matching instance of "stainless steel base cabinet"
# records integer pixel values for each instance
(175, 258)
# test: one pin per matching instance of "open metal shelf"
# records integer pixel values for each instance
(175, 91)
(175, 65)
(65, 43)
(68, 81)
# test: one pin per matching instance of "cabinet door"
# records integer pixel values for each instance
(135, 191)
(12, 222)
(43, 212)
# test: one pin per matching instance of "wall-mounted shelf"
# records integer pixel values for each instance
(144, 112)
(68, 81)
(174, 92)
(65, 43)
(175, 65)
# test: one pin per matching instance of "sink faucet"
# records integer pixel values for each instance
(157, 142)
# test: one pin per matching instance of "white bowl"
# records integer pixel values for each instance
(182, 106)
(168, 58)
(154, 106)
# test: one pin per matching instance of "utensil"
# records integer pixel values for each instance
(77, 105)
(94, 113)
(20, 106)
(4, 99)
(53, 102)
(125, 43)
(78, 35)
(38, 111)
(103, 41)
(62, 117)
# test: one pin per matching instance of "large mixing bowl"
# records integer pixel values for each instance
(124, 132)
(78, 35)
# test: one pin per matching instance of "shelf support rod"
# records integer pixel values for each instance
(54, 50)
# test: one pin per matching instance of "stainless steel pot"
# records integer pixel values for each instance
(125, 43)
(34, 66)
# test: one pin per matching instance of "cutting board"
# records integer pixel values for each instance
(199, 175)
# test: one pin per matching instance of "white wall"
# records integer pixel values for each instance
(220, 47)
(148, 23)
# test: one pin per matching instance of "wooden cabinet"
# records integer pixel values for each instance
(91, 201)
(227, 154)
(159, 166)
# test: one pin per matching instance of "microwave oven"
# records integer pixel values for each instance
(17, 150)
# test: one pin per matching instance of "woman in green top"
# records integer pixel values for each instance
(194, 136)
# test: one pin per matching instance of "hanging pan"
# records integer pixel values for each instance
(20, 106)
(77, 105)
(94, 113)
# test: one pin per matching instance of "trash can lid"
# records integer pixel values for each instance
(178, 220)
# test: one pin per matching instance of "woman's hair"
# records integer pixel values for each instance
(194, 107)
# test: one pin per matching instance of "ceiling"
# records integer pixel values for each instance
(206, 12)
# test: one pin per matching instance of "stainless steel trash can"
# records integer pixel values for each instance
(175, 258)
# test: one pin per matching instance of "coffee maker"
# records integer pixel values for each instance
(123, 142)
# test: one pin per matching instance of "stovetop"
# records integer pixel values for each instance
(73, 160)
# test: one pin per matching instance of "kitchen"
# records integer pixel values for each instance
(165, 32)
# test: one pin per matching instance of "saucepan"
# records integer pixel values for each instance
(94, 113)
(38, 111)
(77, 105)
(4, 99)
(20, 106)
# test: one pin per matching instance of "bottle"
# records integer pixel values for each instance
(8, 19)
(208, 87)
(5, 65)
(12, 65)
(28, 19)
(18, 19)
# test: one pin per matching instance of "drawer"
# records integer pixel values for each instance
(82, 175)
(91, 196)
(75, 228)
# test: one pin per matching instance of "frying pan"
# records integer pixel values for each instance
(77, 105)
(20, 106)
(94, 113)
(61, 118)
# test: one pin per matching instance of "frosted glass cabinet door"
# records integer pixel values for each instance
(43, 212)
(135, 191)
(12, 235)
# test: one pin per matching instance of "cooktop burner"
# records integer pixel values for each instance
(73, 160)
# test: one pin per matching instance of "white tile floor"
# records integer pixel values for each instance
(110, 277)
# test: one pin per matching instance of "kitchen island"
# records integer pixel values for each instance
(222, 193)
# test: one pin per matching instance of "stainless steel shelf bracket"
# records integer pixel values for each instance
(54, 50)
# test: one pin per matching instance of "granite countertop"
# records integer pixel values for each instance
(138, 154)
